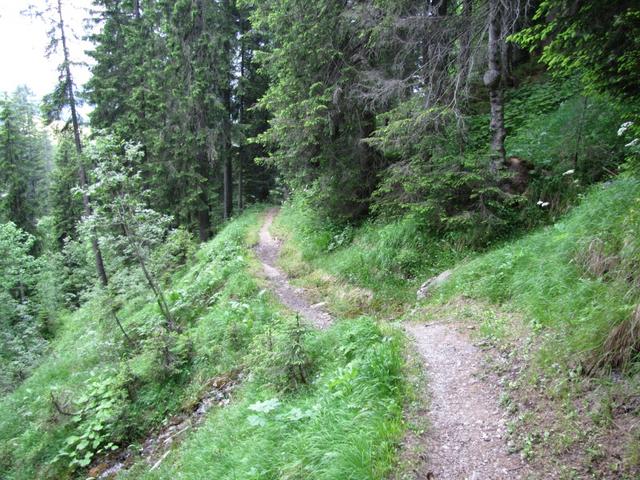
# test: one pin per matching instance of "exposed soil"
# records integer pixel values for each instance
(466, 437)
(267, 250)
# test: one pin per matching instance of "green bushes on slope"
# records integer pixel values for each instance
(577, 279)
(95, 392)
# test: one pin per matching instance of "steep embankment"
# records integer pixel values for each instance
(249, 391)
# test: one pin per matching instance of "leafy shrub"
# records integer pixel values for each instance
(94, 422)
(569, 149)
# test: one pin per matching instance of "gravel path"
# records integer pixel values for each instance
(267, 251)
(467, 434)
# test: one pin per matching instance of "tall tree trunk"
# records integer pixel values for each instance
(240, 181)
(226, 149)
(82, 174)
(241, 148)
(493, 79)
(228, 186)
(204, 223)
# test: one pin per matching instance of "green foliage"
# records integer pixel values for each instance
(385, 256)
(179, 79)
(24, 151)
(281, 357)
(550, 274)
(568, 149)
(596, 40)
(89, 369)
(317, 126)
(630, 132)
(344, 424)
(96, 413)
(21, 329)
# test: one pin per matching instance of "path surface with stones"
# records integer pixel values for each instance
(267, 250)
(467, 433)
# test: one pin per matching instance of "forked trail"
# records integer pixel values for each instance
(466, 438)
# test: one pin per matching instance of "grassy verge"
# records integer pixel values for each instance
(374, 269)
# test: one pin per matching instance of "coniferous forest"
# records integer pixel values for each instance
(323, 239)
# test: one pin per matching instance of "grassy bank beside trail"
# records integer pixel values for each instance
(562, 307)
(558, 308)
(577, 278)
(312, 404)
(576, 281)
(375, 268)
(344, 424)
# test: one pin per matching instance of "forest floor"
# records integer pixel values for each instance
(466, 436)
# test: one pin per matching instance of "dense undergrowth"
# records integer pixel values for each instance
(559, 304)
(330, 401)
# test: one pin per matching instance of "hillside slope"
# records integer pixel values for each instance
(291, 401)
(556, 312)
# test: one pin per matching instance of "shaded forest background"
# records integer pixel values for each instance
(460, 124)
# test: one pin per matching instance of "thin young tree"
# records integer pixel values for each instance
(121, 213)
(64, 98)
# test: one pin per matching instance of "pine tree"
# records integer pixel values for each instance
(64, 96)
(24, 154)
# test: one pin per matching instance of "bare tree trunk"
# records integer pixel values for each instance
(226, 149)
(240, 182)
(228, 185)
(493, 79)
(204, 223)
(82, 174)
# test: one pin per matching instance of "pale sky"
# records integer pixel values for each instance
(23, 41)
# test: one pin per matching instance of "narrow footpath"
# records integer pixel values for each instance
(466, 438)
(267, 250)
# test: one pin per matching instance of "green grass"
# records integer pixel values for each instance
(349, 413)
(547, 301)
(344, 425)
(546, 274)
(390, 259)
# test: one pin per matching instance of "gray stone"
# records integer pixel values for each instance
(427, 287)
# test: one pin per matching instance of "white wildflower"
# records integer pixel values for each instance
(633, 142)
(624, 127)
(543, 204)
(569, 172)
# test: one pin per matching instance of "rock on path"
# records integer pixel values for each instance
(467, 434)
(267, 251)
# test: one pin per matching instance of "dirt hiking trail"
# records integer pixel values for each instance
(267, 250)
(466, 437)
